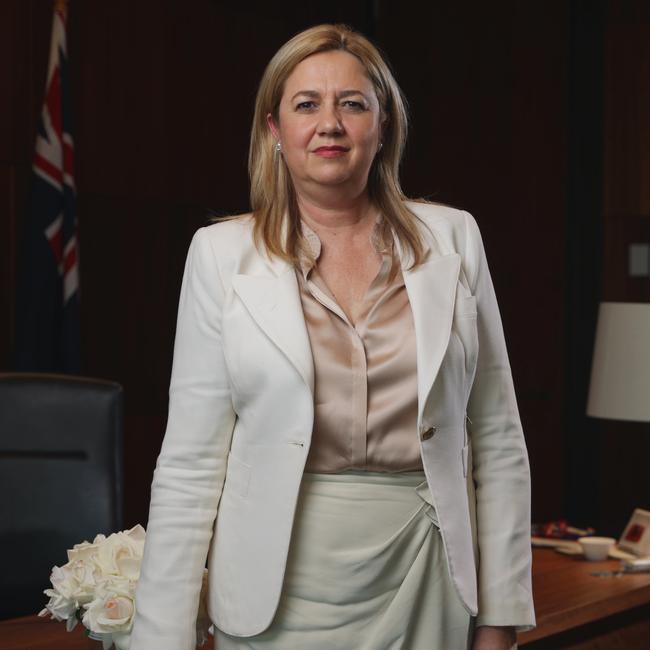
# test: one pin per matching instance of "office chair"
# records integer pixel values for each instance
(61, 477)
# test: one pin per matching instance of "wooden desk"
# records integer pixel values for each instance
(578, 611)
(42, 633)
(575, 610)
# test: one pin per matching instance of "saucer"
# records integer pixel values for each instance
(573, 548)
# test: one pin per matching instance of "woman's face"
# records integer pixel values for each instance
(328, 101)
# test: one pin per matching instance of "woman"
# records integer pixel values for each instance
(331, 350)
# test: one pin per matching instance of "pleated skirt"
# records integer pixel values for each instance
(366, 570)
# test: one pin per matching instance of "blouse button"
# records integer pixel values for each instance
(425, 434)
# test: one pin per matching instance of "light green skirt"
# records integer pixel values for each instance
(366, 571)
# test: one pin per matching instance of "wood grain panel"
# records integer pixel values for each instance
(34, 633)
(625, 446)
(627, 127)
(627, 630)
(24, 46)
(487, 88)
(567, 596)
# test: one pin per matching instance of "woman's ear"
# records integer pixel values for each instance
(383, 124)
(272, 125)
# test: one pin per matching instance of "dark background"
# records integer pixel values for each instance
(534, 116)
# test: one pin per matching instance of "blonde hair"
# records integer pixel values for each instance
(272, 194)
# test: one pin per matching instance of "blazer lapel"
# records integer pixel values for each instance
(431, 289)
(273, 301)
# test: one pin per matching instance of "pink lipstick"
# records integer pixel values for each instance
(331, 152)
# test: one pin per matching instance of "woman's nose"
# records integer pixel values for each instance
(330, 121)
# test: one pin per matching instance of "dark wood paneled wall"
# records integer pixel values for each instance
(24, 46)
(163, 95)
(584, 253)
(624, 472)
(487, 86)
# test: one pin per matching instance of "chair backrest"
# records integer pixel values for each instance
(61, 477)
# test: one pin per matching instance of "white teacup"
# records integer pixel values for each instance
(596, 548)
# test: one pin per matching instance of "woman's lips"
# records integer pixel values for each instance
(330, 152)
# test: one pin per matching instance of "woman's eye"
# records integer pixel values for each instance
(304, 105)
(352, 104)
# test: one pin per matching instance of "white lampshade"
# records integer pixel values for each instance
(620, 373)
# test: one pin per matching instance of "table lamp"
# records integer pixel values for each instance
(620, 372)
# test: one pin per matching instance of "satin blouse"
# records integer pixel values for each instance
(365, 378)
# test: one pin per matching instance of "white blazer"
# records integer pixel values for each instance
(240, 420)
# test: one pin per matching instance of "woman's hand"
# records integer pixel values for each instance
(487, 637)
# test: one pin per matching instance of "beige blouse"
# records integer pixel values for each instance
(365, 390)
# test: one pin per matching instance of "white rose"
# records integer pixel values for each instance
(83, 551)
(113, 608)
(75, 580)
(100, 577)
(64, 581)
(60, 608)
(129, 564)
(122, 640)
(120, 554)
(86, 574)
(137, 534)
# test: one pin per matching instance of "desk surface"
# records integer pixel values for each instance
(43, 633)
(566, 596)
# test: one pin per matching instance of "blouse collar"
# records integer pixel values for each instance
(310, 249)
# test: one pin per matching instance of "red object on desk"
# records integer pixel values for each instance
(635, 533)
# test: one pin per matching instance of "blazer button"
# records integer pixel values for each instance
(425, 434)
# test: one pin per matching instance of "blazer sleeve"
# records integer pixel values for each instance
(501, 470)
(190, 470)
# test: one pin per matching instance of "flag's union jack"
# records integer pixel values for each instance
(53, 162)
(47, 336)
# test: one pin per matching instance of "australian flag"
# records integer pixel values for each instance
(47, 298)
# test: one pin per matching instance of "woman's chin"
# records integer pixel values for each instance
(334, 179)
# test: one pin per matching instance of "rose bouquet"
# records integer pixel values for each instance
(97, 587)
